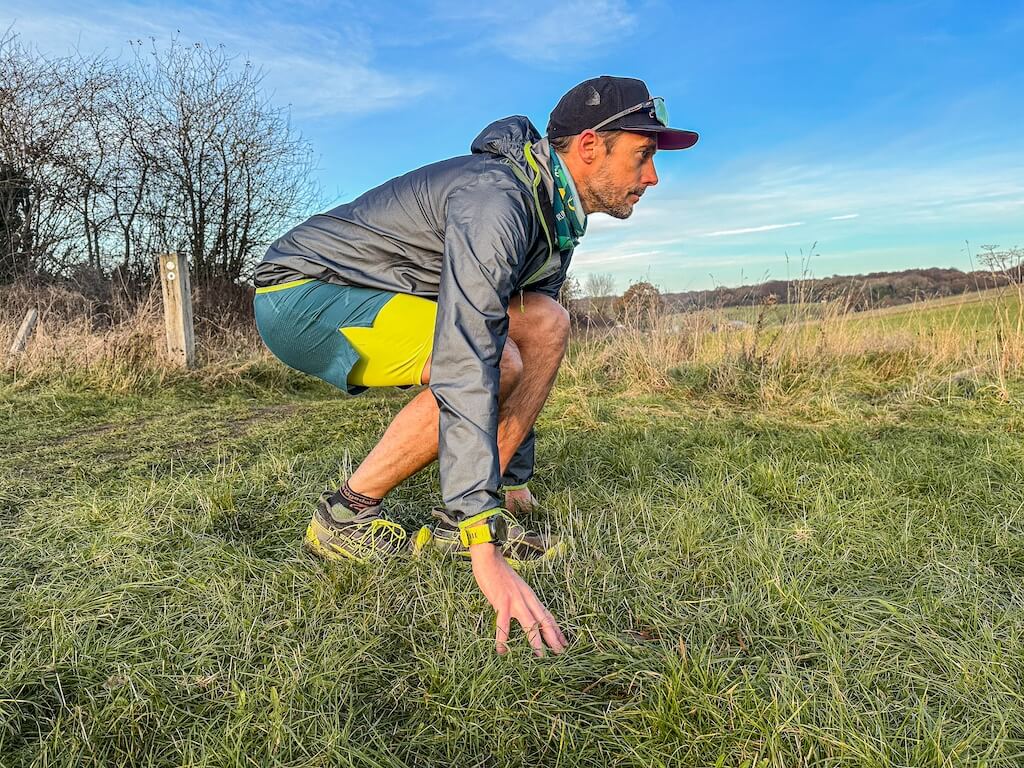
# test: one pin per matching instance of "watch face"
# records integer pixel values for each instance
(499, 529)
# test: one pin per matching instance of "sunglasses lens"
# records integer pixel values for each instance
(660, 111)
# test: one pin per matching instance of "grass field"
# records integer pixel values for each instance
(777, 561)
(974, 310)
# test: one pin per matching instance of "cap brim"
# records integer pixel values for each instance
(668, 138)
(672, 138)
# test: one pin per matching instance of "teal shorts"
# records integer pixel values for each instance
(348, 336)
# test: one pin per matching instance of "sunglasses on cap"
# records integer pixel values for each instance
(658, 111)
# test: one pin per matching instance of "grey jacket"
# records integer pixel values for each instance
(469, 232)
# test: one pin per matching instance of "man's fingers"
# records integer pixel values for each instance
(552, 634)
(533, 633)
(501, 633)
(550, 630)
(558, 630)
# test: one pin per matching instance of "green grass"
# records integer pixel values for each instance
(973, 311)
(970, 311)
(832, 580)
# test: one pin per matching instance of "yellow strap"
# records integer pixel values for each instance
(473, 530)
(479, 534)
(282, 286)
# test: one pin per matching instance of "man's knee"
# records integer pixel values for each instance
(540, 320)
(560, 324)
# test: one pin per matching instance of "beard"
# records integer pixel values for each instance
(604, 196)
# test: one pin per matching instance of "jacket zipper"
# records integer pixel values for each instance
(534, 185)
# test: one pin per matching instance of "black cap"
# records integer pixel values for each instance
(593, 101)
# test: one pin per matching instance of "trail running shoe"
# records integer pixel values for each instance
(338, 533)
(523, 546)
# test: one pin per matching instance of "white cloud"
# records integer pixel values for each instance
(910, 214)
(567, 30)
(748, 230)
(320, 70)
(883, 192)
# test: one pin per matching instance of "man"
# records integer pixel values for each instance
(449, 276)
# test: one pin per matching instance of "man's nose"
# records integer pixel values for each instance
(650, 176)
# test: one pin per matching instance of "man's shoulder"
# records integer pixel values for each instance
(477, 171)
(485, 175)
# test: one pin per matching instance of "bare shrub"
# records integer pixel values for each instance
(640, 306)
(104, 164)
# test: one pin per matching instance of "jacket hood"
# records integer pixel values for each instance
(507, 138)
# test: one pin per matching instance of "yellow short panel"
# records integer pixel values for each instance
(395, 350)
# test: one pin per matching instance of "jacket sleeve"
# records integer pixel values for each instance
(487, 233)
(520, 467)
(552, 285)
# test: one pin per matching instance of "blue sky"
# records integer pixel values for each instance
(889, 133)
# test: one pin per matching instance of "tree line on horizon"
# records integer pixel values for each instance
(873, 290)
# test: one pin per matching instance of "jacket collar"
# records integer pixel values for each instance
(511, 138)
(508, 137)
(542, 152)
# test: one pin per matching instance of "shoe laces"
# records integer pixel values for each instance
(379, 527)
(388, 530)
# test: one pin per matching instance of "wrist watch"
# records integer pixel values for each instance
(487, 527)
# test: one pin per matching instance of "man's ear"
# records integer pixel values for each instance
(588, 147)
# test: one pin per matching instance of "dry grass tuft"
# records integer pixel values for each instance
(808, 347)
(120, 345)
(777, 356)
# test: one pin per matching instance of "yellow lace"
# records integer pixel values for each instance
(390, 530)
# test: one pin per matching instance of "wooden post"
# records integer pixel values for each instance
(181, 340)
(27, 326)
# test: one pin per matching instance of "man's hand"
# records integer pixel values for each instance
(512, 598)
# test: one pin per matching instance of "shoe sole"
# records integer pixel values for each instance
(336, 554)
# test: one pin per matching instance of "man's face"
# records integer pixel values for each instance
(623, 175)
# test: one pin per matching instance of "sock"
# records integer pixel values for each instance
(357, 502)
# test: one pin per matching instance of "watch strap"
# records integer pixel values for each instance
(475, 529)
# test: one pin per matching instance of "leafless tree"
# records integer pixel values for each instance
(105, 163)
(230, 172)
(599, 288)
(37, 128)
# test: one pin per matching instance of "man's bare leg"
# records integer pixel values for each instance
(538, 334)
(410, 441)
(541, 332)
